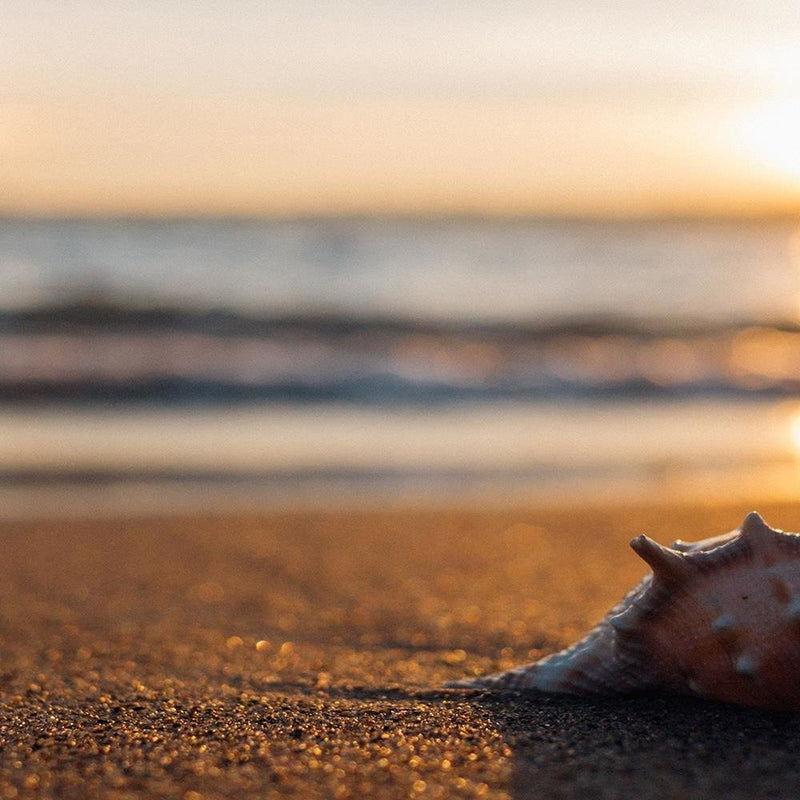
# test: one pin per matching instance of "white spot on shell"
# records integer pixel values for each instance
(724, 623)
(745, 665)
(793, 610)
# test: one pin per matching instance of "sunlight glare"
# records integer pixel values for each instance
(771, 134)
(794, 433)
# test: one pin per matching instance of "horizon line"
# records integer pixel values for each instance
(778, 215)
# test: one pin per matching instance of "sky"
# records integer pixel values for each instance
(294, 107)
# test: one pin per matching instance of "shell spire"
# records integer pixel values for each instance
(718, 618)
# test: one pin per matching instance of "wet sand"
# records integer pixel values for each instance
(302, 654)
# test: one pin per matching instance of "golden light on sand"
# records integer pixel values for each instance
(770, 134)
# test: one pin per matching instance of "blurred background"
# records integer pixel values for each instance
(281, 253)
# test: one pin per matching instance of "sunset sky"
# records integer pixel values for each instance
(337, 106)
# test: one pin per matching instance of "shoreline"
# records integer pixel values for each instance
(303, 654)
(108, 497)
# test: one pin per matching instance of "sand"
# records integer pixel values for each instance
(301, 655)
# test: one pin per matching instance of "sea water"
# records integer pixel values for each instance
(414, 357)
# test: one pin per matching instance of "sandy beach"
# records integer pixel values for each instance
(302, 654)
(344, 349)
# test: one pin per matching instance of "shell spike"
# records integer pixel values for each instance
(626, 623)
(666, 564)
(754, 529)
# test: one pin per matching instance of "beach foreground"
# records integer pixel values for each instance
(301, 654)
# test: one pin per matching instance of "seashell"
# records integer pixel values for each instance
(718, 618)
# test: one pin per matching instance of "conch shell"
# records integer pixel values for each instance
(718, 618)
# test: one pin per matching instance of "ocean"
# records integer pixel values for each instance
(289, 361)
